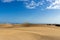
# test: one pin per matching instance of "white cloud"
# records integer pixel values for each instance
(33, 4)
(7, 0)
(50, 0)
(22, 0)
(54, 5)
(39, 3)
(13, 0)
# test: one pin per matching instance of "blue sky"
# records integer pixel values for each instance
(33, 11)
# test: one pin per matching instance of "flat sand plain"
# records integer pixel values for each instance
(33, 32)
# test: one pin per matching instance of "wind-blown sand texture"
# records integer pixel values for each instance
(33, 32)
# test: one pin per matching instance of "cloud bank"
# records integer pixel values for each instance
(6, 1)
(54, 4)
(12, 0)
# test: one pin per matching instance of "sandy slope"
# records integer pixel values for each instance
(30, 33)
(22, 35)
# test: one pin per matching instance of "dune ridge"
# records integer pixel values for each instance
(21, 35)
(29, 32)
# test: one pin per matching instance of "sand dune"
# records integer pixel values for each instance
(22, 35)
(33, 32)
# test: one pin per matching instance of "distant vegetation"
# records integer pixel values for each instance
(28, 25)
(58, 25)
